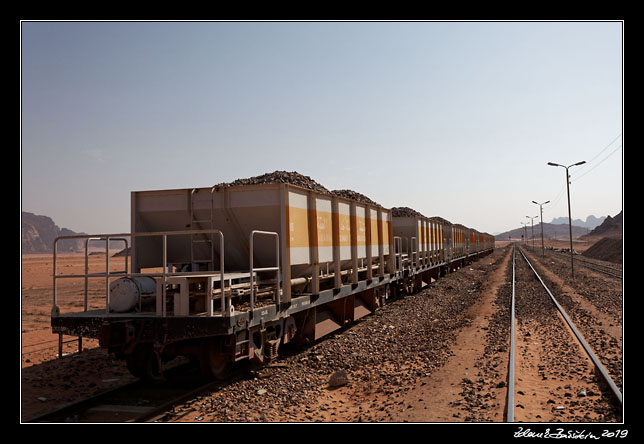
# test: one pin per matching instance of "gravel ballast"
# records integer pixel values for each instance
(384, 355)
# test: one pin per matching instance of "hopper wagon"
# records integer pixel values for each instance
(232, 273)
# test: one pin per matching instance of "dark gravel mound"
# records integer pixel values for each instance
(441, 220)
(290, 177)
(606, 249)
(300, 180)
(350, 194)
(405, 212)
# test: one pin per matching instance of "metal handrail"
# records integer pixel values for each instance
(107, 252)
(164, 274)
(414, 253)
(276, 268)
(398, 263)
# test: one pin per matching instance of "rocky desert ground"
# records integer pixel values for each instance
(439, 355)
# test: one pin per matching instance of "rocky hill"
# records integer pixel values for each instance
(39, 233)
(611, 227)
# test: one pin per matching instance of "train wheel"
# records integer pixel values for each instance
(134, 362)
(380, 296)
(214, 363)
(144, 363)
(384, 296)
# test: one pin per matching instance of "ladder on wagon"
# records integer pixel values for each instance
(200, 239)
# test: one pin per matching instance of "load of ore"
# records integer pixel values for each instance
(300, 180)
(405, 212)
(290, 177)
(441, 220)
(350, 194)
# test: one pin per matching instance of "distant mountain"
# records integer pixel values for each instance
(610, 227)
(39, 233)
(558, 231)
(590, 223)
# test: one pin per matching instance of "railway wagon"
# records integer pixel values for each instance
(460, 239)
(233, 273)
(487, 240)
(421, 239)
(230, 273)
(312, 234)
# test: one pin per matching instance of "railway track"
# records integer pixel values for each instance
(554, 375)
(596, 265)
(602, 268)
(139, 401)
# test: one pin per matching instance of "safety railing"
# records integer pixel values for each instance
(276, 269)
(164, 275)
(398, 254)
(414, 251)
(410, 249)
(107, 252)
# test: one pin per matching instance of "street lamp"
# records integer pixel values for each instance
(572, 266)
(541, 210)
(525, 232)
(532, 223)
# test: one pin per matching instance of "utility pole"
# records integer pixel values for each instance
(525, 232)
(572, 265)
(532, 223)
(541, 210)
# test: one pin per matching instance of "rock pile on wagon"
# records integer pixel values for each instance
(290, 177)
(350, 194)
(300, 180)
(405, 212)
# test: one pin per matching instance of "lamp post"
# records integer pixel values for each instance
(572, 266)
(541, 211)
(532, 224)
(525, 232)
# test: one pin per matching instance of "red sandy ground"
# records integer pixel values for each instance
(48, 382)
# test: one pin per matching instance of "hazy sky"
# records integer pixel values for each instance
(454, 119)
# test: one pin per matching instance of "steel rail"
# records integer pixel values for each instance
(602, 268)
(606, 269)
(70, 409)
(113, 396)
(615, 268)
(580, 338)
(615, 275)
(510, 404)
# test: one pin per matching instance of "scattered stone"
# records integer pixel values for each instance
(338, 379)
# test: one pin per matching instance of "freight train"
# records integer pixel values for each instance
(233, 273)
